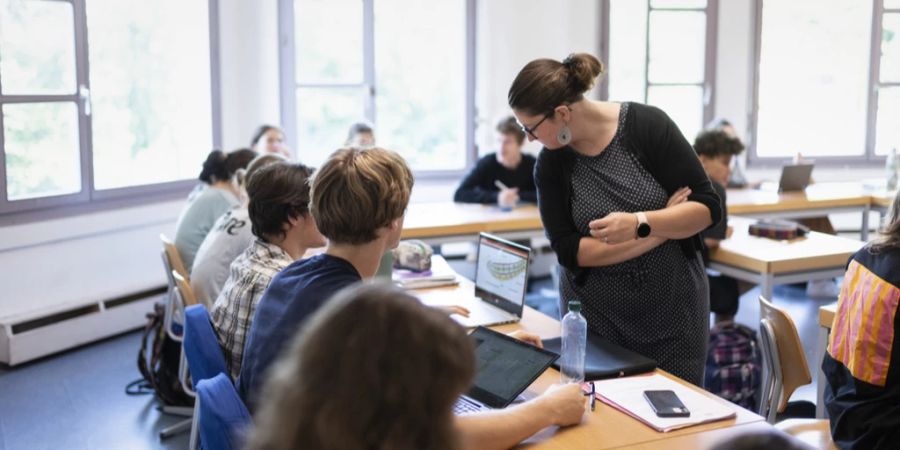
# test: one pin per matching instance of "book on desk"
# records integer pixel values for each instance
(440, 274)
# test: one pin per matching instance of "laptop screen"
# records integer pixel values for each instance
(505, 367)
(501, 274)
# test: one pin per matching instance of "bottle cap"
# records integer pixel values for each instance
(574, 306)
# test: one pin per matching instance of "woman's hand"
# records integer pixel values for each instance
(615, 228)
(680, 196)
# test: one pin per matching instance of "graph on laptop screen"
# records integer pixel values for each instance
(502, 269)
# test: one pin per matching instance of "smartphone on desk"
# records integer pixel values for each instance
(666, 404)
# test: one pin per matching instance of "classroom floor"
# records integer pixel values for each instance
(76, 400)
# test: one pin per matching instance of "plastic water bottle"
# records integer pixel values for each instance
(890, 167)
(574, 341)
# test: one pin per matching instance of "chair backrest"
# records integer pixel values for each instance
(787, 347)
(201, 347)
(224, 419)
(173, 257)
(184, 289)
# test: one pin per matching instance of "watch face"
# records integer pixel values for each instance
(643, 230)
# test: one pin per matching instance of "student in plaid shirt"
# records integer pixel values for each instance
(284, 230)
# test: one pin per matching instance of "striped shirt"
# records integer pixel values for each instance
(232, 313)
(863, 372)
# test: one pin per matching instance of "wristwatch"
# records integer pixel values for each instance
(643, 227)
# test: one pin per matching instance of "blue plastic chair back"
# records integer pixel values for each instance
(224, 420)
(201, 347)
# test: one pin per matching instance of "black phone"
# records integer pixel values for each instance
(666, 404)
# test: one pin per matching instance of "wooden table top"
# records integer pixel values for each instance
(424, 220)
(826, 315)
(763, 255)
(816, 196)
(604, 428)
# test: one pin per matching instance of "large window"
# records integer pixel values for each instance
(660, 52)
(101, 99)
(403, 66)
(828, 82)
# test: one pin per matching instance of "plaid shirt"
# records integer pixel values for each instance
(232, 313)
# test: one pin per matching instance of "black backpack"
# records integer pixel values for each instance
(159, 366)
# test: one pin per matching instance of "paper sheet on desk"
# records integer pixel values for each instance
(627, 395)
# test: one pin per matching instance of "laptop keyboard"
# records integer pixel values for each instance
(464, 406)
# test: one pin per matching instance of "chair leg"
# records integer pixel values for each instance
(195, 426)
(179, 427)
(184, 411)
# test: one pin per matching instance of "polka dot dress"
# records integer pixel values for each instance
(656, 304)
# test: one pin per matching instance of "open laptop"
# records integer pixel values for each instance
(505, 367)
(501, 276)
(795, 177)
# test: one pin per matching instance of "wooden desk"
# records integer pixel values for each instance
(818, 199)
(769, 262)
(826, 318)
(604, 428)
(445, 222)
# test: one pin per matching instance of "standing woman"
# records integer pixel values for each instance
(622, 197)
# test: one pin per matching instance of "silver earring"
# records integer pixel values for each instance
(564, 136)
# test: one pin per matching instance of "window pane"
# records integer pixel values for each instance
(678, 3)
(42, 151)
(329, 51)
(323, 118)
(887, 135)
(37, 47)
(890, 48)
(811, 49)
(150, 77)
(627, 49)
(892, 4)
(421, 81)
(677, 47)
(684, 104)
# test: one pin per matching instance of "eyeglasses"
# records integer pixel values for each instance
(532, 129)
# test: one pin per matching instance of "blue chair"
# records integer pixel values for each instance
(200, 348)
(223, 417)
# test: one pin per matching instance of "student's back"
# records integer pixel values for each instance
(228, 238)
(862, 364)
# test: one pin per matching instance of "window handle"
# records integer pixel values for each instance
(85, 95)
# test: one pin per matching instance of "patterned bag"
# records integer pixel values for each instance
(733, 364)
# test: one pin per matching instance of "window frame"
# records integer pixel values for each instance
(89, 199)
(868, 158)
(711, 46)
(288, 83)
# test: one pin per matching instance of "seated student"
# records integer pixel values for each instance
(229, 237)
(862, 364)
(270, 139)
(358, 200)
(716, 149)
(284, 230)
(360, 135)
(504, 177)
(425, 362)
(206, 206)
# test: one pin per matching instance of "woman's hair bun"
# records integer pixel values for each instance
(583, 69)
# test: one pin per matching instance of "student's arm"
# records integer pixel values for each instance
(472, 190)
(504, 428)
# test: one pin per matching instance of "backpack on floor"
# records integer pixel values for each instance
(733, 364)
(159, 366)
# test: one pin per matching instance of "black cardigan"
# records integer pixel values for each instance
(661, 149)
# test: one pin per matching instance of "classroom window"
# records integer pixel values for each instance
(101, 99)
(658, 54)
(845, 53)
(400, 65)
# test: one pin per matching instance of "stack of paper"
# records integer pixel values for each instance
(627, 395)
(441, 274)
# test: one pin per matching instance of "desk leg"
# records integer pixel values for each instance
(864, 231)
(820, 376)
(768, 283)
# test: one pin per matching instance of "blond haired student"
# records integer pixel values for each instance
(358, 200)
